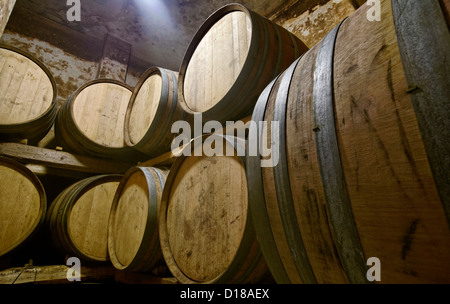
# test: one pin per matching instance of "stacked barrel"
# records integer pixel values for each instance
(23, 205)
(363, 147)
(27, 111)
(28, 96)
(357, 131)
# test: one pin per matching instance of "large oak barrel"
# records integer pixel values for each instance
(78, 218)
(133, 238)
(363, 146)
(92, 120)
(27, 96)
(206, 232)
(232, 57)
(23, 205)
(152, 110)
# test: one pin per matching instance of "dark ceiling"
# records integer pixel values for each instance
(159, 31)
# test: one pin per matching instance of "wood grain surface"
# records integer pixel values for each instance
(92, 120)
(133, 239)
(230, 60)
(23, 205)
(152, 110)
(395, 203)
(99, 113)
(78, 218)
(25, 89)
(217, 61)
(27, 96)
(387, 181)
(205, 226)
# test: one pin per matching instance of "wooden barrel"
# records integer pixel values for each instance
(133, 238)
(92, 120)
(23, 205)
(205, 227)
(27, 96)
(78, 217)
(361, 173)
(232, 57)
(152, 110)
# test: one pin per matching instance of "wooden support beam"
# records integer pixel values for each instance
(53, 274)
(57, 274)
(61, 160)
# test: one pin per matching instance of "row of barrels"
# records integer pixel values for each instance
(107, 118)
(362, 168)
(93, 120)
(141, 220)
(202, 221)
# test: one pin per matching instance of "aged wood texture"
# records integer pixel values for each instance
(23, 205)
(152, 110)
(78, 217)
(394, 195)
(338, 205)
(360, 176)
(27, 96)
(262, 224)
(62, 161)
(213, 54)
(133, 239)
(310, 201)
(53, 274)
(427, 69)
(205, 227)
(232, 57)
(92, 120)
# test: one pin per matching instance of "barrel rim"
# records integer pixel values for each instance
(142, 249)
(22, 169)
(52, 107)
(201, 32)
(144, 77)
(156, 138)
(76, 191)
(88, 144)
(248, 238)
(99, 81)
(96, 181)
(257, 198)
(429, 95)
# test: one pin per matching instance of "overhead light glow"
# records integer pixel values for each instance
(154, 12)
